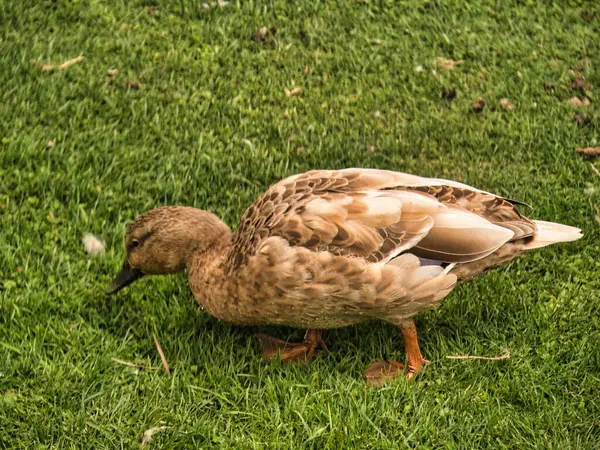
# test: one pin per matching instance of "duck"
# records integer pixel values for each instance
(333, 248)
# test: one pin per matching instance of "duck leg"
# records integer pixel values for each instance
(380, 371)
(292, 351)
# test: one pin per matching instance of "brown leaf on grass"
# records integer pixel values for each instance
(51, 67)
(445, 63)
(549, 86)
(596, 172)
(263, 34)
(147, 437)
(580, 83)
(479, 105)
(506, 104)
(162, 355)
(153, 10)
(20, 269)
(589, 151)
(132, 84)
(576, 101)
(582, 119)
(112, 73)
(486, 358)
(294, 91)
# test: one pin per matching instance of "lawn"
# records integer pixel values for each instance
(177, 103)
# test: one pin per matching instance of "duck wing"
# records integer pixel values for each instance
(378, 215)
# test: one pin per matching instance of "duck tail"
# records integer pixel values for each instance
(549, 233)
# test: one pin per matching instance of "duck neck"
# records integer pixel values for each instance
(210, 240)
(208, 279)
(208, 256)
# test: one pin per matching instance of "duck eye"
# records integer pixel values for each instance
(134, 243)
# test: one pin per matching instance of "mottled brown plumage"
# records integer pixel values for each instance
(327, 249)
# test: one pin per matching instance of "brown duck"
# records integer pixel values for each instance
(327, 249)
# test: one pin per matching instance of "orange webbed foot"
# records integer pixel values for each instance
(291, 351)
(381, 371)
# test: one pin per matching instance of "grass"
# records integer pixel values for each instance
(211, 126)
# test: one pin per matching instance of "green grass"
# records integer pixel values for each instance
(210, 126)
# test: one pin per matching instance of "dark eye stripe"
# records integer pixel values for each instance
(140, 241)
(145, 236)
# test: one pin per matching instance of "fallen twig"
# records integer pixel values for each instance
(162, 355)
(589, 151)
(50, 67)
(126, 363)
(487, 358)
(150, 432)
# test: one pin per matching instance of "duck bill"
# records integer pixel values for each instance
(124, 278)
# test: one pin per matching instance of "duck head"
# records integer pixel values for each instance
(161, 241)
